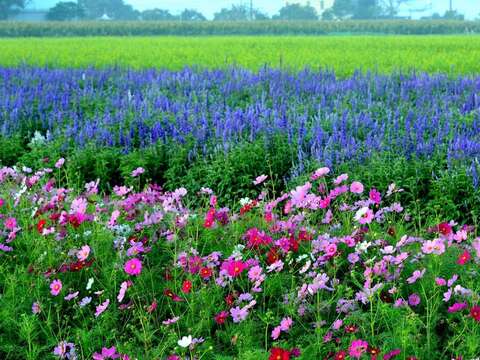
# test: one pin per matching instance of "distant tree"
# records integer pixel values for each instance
(11, 7)
(453, 15)
(65, 10)
(367, 9)
(191, 15)
(239, 13)
(328, 15)
(343, 9)
(157, 15)
(115, 9)
(391, 7)
(297, 12)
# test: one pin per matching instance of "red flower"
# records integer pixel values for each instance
(350, 329)
(464, 258)
(221, 317)
(186, 286)
(272, 256)
(169, 293)
(205, 273)
(445, 228)
(229, 299)
(277, 353)
(341, 355)
(475, 312)
(41, 225)
(209, 218)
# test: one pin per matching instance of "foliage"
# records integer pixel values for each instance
(157, 15)
(65, 10)
(11, 7)
(297, 12)
(191, 15)
(115, 9)
(239, 13)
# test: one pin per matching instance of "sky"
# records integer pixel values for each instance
(470, 8)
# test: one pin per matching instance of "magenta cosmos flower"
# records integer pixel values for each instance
(357, 348)
(55, 287)
(133, 267)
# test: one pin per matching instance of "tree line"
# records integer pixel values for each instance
(119, 10)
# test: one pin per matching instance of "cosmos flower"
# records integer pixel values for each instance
(101, 308)
(356, 187)
(133, 267)
(357, 348)
(55, 287)
(138, 171)
(260, 179)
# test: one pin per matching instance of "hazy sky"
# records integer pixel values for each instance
(471, 8)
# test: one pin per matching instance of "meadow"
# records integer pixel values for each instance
(454, 54)
(240, 198)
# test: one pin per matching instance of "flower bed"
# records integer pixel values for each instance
(330, 270)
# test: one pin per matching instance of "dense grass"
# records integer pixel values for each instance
(450, 54)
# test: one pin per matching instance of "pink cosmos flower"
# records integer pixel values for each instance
(375, 196)
(10, 223)
(133, 267)
(417, 274)
(331, 249)
(340, 179)
(171, 321)
(255, 273)
(83, 253)
(476, 246)
(79, 206)
(286, 323)
(71, 296)
(364, 215)
(123, 289)
(260, 179)
(60, 163)
(113, 218)
(357, 348)
(319, 173)
(298, 195)
(337, 324)
(276, 333)
(55, 287)
(36, 309)
(138, 171)
(102, 307)
(414, 300)
(356, 187)
(107, 353)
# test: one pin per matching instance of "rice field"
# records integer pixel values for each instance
(458, 54)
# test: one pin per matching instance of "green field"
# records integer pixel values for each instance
(451, 54)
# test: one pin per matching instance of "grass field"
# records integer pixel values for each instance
(451, 54)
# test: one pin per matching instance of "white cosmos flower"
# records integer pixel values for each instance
(89, 284)
(185, 341)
